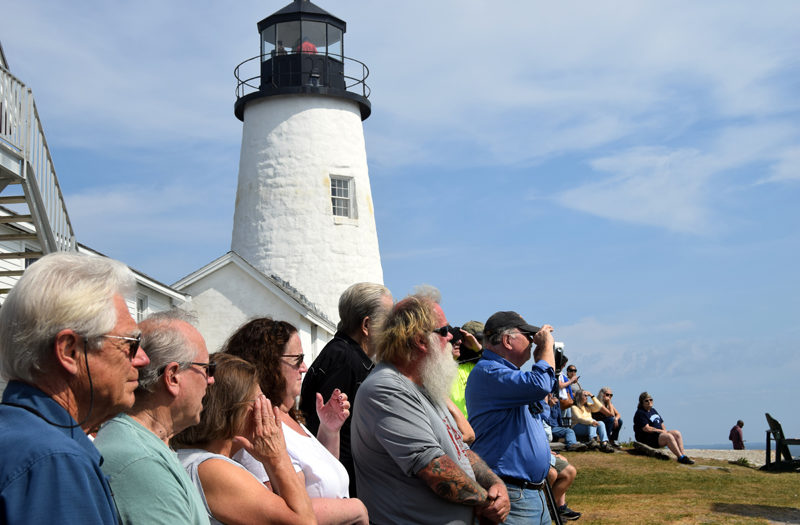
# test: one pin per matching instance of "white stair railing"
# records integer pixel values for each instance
(25, 158)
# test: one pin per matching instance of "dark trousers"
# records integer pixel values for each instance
(613, 433)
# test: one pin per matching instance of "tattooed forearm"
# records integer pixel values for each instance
(450, 482)
(483, 474)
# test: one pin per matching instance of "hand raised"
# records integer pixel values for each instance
(333, 414)
(265, 441)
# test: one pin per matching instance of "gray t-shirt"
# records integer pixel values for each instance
(397, 431)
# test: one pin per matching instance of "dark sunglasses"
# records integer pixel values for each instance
(298, 359)
(609, 395)
(133, 343)
(572, 369)
(443, 330)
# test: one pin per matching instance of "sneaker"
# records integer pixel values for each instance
(686, 460)
(592, 445)
(605, 447)
(615, 445)
(568, 514)
(577, 447)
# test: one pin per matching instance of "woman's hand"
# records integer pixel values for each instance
(469, 341)
(265, 440)
(333, 414)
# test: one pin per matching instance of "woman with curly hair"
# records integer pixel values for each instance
(274, 348)
(237, 415)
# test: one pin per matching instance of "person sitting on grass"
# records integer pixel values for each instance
(649, 429)
(585, 426)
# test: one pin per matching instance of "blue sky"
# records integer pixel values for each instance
(627, 173)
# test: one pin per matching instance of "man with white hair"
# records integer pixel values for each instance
(499, 399)
(346, 360)
(70, 350)
(150, 485)
(412, 465)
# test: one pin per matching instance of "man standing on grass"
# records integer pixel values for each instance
(499, 399)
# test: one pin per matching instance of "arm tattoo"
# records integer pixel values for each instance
(450, 482)
(483, 474)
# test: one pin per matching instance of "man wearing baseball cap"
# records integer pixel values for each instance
(499, 396)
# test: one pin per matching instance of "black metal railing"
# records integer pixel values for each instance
(298, 69)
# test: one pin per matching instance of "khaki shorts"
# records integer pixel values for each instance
(561, 464)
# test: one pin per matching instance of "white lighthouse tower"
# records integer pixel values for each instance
(304, 210)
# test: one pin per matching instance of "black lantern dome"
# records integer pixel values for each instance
(302, 52)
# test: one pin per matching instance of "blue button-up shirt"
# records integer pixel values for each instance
(48, 474)
(507, 436)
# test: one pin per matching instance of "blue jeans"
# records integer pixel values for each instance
(528, 507)
(613, 433)
(563, 432)
(583, 431)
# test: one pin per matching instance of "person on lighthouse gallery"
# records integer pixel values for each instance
(346, 360)
(150, 485)
(411, 464)
(499, 395)
(70, 350)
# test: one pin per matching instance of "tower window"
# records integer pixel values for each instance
(343, 194)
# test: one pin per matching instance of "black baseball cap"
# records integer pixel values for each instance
(504, 320)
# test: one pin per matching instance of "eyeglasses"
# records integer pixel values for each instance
(648, 400)
(298, 359)
(526, 335)
(210, 367)
(572, 369)
(443, 330)
(133, 343)
(609, 395)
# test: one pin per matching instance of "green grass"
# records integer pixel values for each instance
(623, 488)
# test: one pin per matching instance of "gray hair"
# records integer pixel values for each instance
(164, 342)
(428, 292)
(601, 395)
(359, 301)
(495, 338)
(60, 291)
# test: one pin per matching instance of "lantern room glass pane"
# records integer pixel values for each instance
(314, 38)
(335, 42)
(267, 43)
(287, 37)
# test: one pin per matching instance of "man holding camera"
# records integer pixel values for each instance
(499, 395)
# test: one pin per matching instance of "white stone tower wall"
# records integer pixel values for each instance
(283, 221)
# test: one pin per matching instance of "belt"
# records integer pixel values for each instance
(523, 483)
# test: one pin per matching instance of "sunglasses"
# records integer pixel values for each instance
(297, 359)
(133, 343)
(609, 395)
(572, 369)
(648, 400)
(443, 330)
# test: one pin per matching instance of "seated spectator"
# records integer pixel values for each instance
(649, 429)
(584, 424)
(140, 466)
(608, 415)
(237, 415)
(560, 478)
(736, 437)
(69, 349)
(554, 425)
(274, 348)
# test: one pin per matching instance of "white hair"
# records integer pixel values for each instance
(438, 370)
(59, 291)
(164, 342)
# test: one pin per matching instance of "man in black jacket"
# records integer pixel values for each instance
(346, 360)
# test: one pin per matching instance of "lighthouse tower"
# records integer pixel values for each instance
(304, 210)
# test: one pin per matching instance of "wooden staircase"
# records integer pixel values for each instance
(33, 215)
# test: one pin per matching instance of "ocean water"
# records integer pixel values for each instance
(794, 449)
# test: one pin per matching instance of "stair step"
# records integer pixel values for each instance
(21, 255)
(11, 273)
(16, 218)
(12, 199)
(18, 237)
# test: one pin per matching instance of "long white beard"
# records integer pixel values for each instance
(439, 370)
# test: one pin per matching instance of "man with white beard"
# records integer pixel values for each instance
(411, 463)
